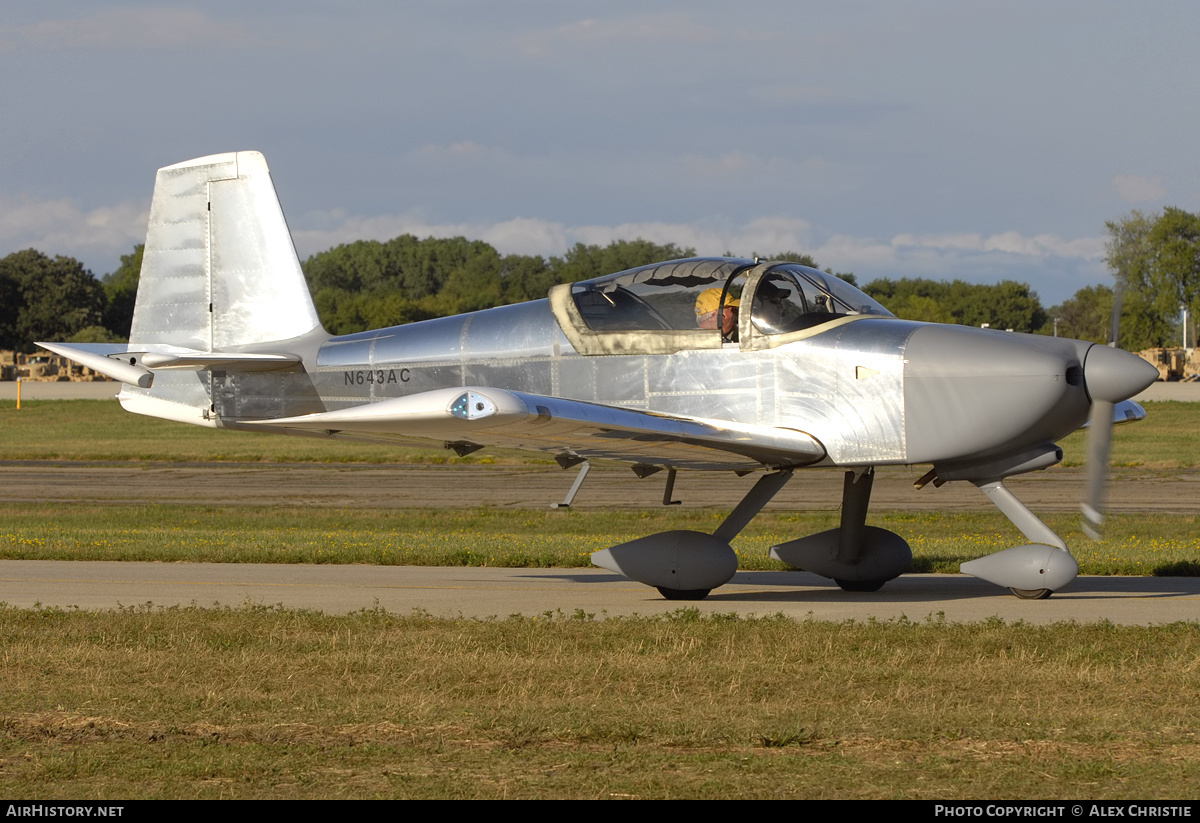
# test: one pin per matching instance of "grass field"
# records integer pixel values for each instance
(102, 430)
(1136, 543)
(262, 703)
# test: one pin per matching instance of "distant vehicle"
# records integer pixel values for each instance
(708, 364)
(1172, 363)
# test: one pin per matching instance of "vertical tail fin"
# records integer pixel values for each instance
(219, 272)
(223, 315)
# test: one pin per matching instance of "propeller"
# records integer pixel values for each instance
(1102, 373)
(1095, 492)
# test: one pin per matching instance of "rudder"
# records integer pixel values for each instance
(219, 272)
(223, 314)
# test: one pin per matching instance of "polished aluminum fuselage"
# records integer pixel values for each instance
(845, 386)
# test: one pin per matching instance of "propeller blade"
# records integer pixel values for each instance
(1099, 440)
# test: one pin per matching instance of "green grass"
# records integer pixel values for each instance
(1136, 544)
(101, 430)
(265, 703)
(1169, 437)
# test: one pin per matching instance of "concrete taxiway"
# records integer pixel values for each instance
(485, 592)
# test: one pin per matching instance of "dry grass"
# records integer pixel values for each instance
(271, 703)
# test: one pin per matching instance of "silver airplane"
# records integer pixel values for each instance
(710, 364)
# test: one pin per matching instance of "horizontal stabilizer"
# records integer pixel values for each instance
(231, 361)
(497, 417)
(112, 363)
(137, 367)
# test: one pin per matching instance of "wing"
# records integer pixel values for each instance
(472, 416)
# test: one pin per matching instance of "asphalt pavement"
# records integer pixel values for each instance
(482, 593)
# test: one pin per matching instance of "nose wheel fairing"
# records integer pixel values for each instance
(1027, 570)
(1031, 571)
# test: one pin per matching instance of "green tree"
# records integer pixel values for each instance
(1005, 305)
(922, 308)
(96, 334)
(1156, 261)
(120, 290)
(406, 278)
(56, 297)
(472, 285)
(10, 307)
(344, 312)
(585, 262)
(1086, 316)
(525, 277)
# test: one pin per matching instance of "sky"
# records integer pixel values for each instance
(975, 140)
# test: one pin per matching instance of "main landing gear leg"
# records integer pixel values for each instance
(856, 499)
(764, 490)
(579, 478)
(858, 557)
(687, 565)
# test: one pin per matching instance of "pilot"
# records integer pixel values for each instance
(707, 306)
(780, 306)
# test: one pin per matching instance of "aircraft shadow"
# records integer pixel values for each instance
(789, 586)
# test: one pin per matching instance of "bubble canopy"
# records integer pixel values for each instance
(672, 295)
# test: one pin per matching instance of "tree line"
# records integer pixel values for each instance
(1155, 259)
(56, 298)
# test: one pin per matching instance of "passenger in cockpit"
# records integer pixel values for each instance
(708, 306)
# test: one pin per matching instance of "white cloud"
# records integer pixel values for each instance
(939, 241)
(1009, 242)
(527, 235)
(933, 255)
(768, 235)
(846, 253)
(97, 237)
(1055, 267)
(336, 228)
(128, 30)
(643, 28)
(1134, 188)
